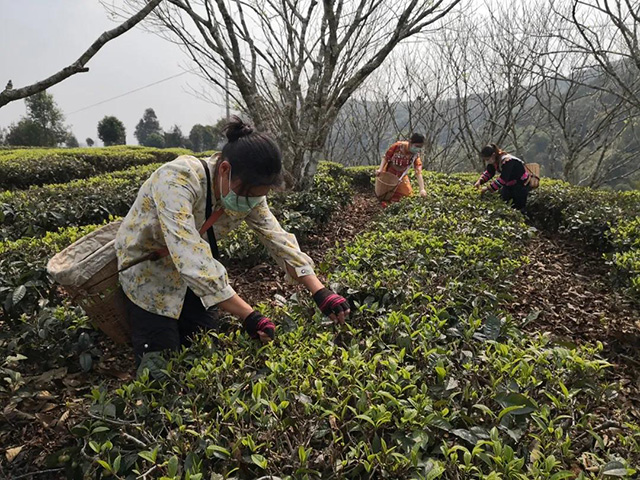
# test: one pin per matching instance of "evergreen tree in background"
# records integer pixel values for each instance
(43, 126)
(207, 137)
(155, 140)
(175, 138)
(111, 131)
(71, 141)
(147, 126)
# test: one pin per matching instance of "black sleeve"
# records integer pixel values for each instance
(512, 170)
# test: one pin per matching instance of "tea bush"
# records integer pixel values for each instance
(625, 238)
(603, 220)
(584, 214)
(37, 210)
(329, 192)
(363, 177)
(22, 168)
(428, 379)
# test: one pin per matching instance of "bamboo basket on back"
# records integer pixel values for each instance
(88, 271)
(386, 185)
(533, 169)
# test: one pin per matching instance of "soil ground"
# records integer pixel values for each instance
(570, 287)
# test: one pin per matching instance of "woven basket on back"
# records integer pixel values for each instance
(533, 169)
(386, 185)
(88, 271)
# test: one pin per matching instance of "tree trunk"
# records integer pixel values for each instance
(305, 167)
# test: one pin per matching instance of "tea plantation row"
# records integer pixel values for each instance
(428, 379)
(22, 168)
(37, 210)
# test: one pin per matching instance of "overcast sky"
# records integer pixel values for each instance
(39, 37)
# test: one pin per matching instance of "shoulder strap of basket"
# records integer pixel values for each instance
(208, 209)
(405, 172)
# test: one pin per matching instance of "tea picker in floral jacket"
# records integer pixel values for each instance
(171, 297)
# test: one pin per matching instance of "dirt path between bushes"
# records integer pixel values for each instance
(570, 288)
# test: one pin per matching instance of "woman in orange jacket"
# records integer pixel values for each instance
(400, 157)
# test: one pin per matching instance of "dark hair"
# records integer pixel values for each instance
(255, 157)
(417, 138)
(491, 149)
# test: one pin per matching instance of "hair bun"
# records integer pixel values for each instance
(236, 129)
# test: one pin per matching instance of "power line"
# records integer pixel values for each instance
(131, 91)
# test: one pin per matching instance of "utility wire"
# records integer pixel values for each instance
(132, 91)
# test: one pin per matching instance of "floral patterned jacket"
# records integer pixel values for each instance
(168, 213)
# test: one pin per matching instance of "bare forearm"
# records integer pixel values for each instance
(237, 307)
(311, 282)
(420, 180)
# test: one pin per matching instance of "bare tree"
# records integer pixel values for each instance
(588, 90)
(10, 94)
(366, 124)
(607, 32)
(586, 125)
(361, 129)
(492, 60)
(294, 65)
(407, 94)
(429, 88)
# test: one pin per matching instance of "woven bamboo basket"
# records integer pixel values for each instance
(386, 185)
(103, 301)
(88, 272)
(534, 174)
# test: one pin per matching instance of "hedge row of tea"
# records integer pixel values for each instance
(76, 208)
(22, 168)
(428, 379)
(38, 210)
(606, 221)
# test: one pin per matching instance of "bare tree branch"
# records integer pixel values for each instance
(10, 94)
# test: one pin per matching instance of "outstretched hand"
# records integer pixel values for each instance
(332, 305)
(260, 327)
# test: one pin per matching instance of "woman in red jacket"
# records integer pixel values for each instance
(398, 160)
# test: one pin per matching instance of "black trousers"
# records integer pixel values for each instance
(517, 194)
(156, 333)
